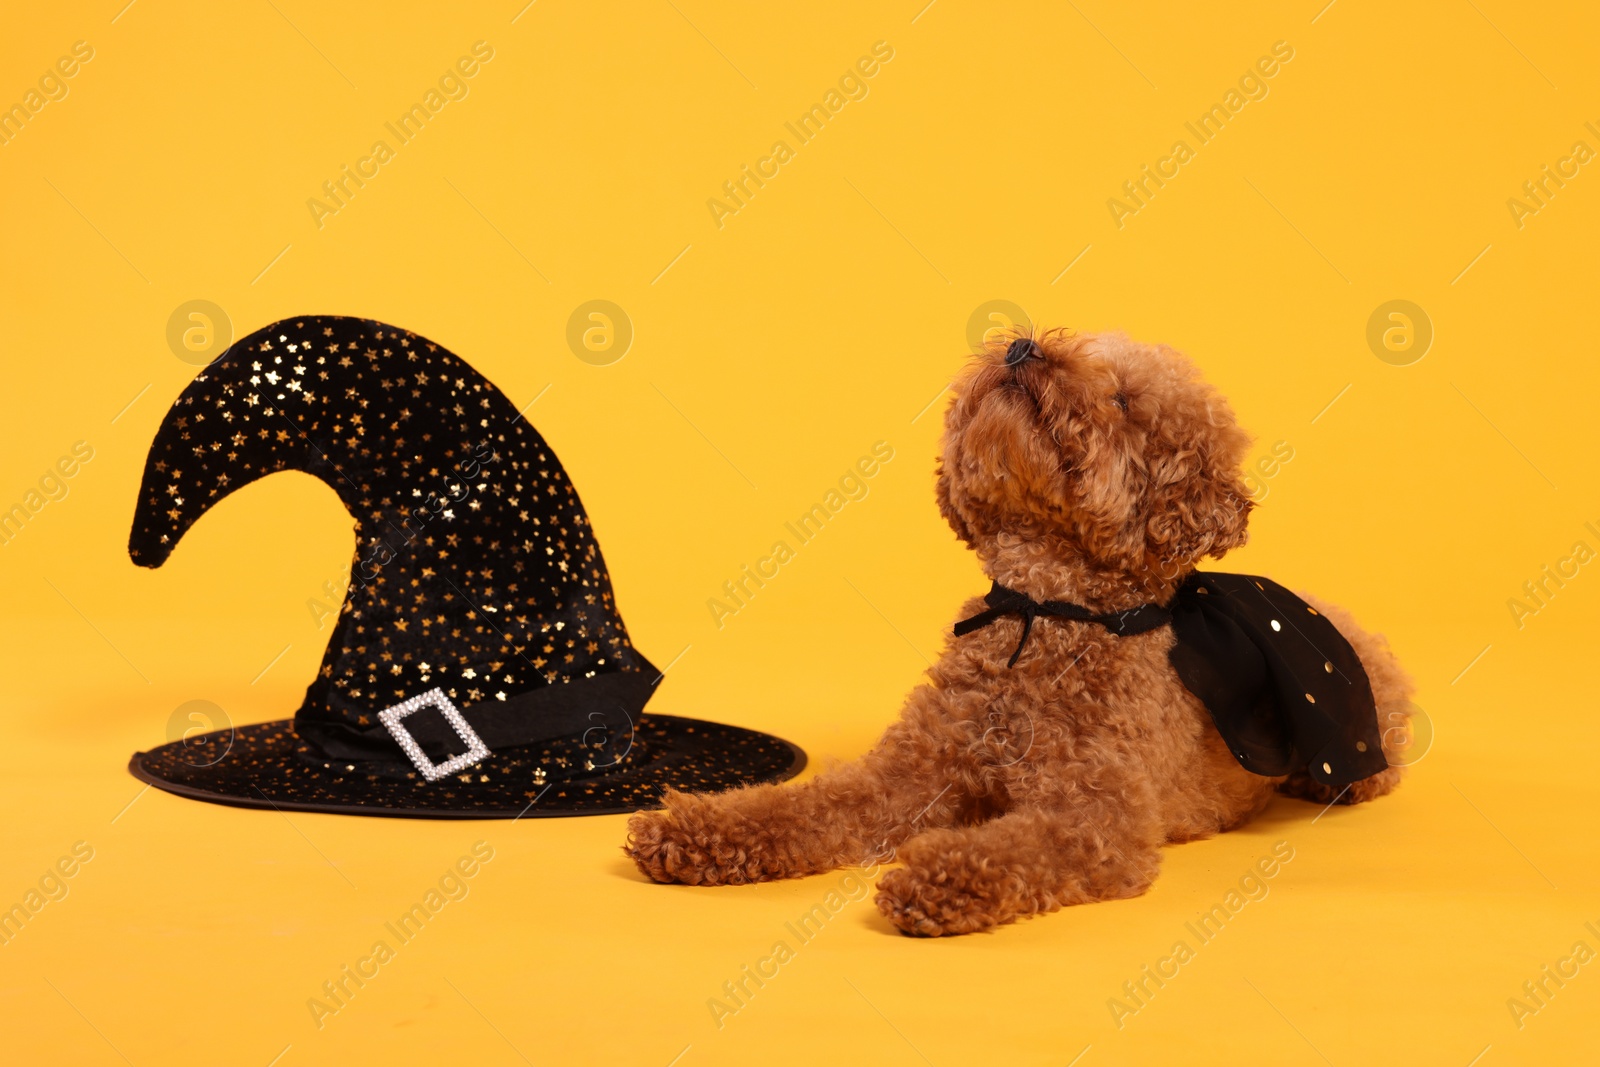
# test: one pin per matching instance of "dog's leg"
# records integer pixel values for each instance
(1069, 849)
(857, 813)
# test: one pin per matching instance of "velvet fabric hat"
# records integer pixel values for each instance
(479, 667)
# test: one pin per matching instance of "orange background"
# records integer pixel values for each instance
(767, 356)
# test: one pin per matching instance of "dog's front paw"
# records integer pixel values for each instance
(925, 907)
(658, 848)
(684, 843)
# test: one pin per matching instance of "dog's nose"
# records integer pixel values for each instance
(1022, 350)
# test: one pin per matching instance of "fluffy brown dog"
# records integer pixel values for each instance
(1097, 471)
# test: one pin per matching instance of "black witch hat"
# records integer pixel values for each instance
(479, 667)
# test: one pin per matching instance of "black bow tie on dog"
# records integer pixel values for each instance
(1284, 687)
(1003, 601)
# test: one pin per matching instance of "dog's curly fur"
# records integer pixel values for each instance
(1099, 471)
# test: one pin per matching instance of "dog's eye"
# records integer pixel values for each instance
(1122, 401)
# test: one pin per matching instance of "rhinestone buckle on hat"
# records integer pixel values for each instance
(476, 749)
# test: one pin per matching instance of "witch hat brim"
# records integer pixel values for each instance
(266, 765)
(478, 608)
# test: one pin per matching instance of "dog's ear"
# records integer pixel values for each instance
(1230, 503)
(1208, 515)
(946, 508)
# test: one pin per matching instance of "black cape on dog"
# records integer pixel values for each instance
(1284, 687)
